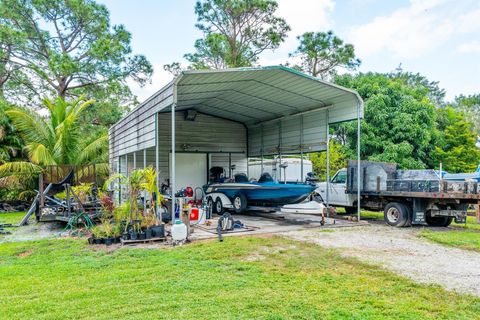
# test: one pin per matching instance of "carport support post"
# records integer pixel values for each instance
(172, 183)
(358, 161)
(328, 165)
(144, 166)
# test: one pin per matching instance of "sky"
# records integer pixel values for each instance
(438, 38)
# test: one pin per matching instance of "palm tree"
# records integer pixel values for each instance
(56, 139)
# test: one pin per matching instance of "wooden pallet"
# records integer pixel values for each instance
(151, 240)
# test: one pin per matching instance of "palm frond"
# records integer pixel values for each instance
(31, 126)
(118, 177)
(94, 150)
(40, 154)
(19, 168)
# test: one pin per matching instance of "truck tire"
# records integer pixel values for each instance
(438, 221)
(239, 202)
(350, 210)
(396, 214)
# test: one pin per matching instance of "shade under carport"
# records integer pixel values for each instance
(284, 110)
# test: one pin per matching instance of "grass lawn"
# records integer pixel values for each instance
(11, 217)
(464, 239)
(240, 278)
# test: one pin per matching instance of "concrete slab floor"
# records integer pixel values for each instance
(274, 222)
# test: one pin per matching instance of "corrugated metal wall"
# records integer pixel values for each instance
(136, 130)
(285, 135)
(206, 134)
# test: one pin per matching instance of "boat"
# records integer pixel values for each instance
(462, 176)
(265, 192)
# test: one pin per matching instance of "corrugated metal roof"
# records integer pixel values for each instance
(254, 95)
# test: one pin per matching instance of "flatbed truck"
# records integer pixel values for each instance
(407, 197)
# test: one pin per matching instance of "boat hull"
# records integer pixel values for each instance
(265, 194)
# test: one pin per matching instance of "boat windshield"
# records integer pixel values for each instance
(265, 177)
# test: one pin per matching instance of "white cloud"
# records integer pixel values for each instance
(417, 29)
(469, 47)
(302, 16)
(159, 79)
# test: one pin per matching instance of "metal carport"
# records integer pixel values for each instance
(284, 112)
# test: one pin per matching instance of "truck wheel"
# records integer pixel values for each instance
(350, 210)
(438, 221)
(239, 203)
(218, 206)
(396, 214)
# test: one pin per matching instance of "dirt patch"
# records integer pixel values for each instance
(403, 252)
(263, 252)
(25, 253)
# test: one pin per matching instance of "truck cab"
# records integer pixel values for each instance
(338, 196)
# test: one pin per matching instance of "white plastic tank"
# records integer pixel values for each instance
(179, 231)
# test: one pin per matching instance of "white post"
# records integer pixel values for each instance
(126, 165)
(172, 165)
(328, 165)
(135, 160)
(358, 161)
(144, 166)
(301, 149)
(157, 148)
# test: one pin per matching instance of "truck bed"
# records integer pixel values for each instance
(385, 180)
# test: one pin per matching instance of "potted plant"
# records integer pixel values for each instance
(108, 231)
(150, 186)
(97, 232)
(117, 231)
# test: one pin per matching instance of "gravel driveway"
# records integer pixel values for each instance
(403, 252)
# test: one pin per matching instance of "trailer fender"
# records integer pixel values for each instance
(227, 204)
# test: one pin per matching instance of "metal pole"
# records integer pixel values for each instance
(135, 160)
(358, 161)
(172, 183)
(301, 148)
(144, 166)
(328, 165)
(157, 148)
(126, 165)
(119, 170)
(261, 161)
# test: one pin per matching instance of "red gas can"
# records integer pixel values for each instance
(194, 214)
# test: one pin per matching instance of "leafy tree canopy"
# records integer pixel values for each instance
(236, 32)
(11, 143)
(456, 148)
(399, 120)
(323, 53)
(470, 106)
(68, 47)
(338, 160)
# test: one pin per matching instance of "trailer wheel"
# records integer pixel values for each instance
(218, 206)
(210, 203)
(239, 203)
(438, 221)
(396, 214)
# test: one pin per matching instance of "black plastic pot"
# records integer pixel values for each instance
(108, 241)
(97, 241)
(141, 235)
(90, 240)
(148, 233)
(133, 235)
(158, 231)
(126, 236)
